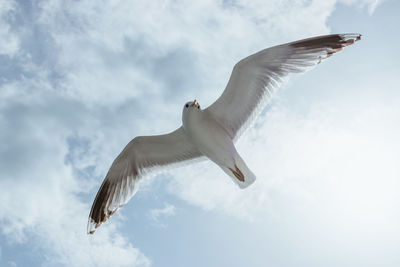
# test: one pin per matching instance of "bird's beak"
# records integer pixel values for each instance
(194, 103)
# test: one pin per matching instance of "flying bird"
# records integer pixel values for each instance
(212, 132)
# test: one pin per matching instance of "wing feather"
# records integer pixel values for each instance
(143, 155)
(255, 78)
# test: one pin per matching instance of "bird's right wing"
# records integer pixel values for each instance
(255, 77)
(141, 156)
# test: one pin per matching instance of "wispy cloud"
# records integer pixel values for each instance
(371, 5)
(338, 163)
(81, 79)
(10, 43)
(157, 215)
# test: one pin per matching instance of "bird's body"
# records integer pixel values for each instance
(207, 135)
(212, 140)
(211, 132)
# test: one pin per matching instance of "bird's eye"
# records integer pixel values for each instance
(187, 105)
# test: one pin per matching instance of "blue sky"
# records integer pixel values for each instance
(79, 79)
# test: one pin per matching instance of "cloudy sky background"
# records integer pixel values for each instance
(80, 79)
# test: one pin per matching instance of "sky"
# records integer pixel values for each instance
(80, 79)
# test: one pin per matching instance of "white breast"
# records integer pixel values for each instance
(208, 136)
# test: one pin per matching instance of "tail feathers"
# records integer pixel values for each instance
(240, 173)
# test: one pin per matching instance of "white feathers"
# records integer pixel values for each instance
(140, 157)
(211, 132)
(254, 78)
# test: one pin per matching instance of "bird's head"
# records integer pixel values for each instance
(189, 109)
(191, 105)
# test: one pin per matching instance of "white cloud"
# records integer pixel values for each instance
(9, 44)
(371, 5)
(156, 215)
(42, 197)
(337, 166)
(128, 44)
(84, 78)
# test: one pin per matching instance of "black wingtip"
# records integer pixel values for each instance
(97, 214)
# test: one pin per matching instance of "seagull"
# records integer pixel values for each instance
(211, 132)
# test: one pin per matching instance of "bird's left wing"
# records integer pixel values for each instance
(255, 77)
(142, 155)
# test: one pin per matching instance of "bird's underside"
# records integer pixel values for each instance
(252, 82)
